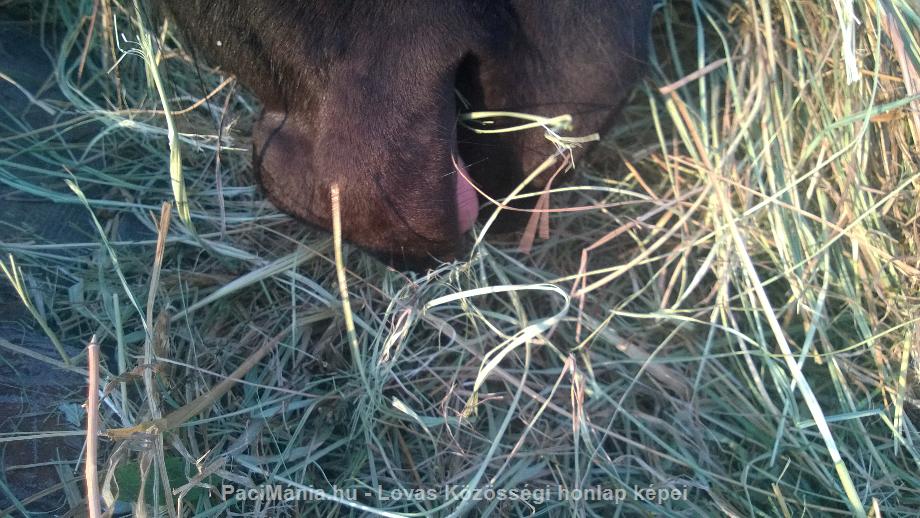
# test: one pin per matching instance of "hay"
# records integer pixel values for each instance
(730, 320)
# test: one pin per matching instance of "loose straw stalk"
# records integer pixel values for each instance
(94, 507)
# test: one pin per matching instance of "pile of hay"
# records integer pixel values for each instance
(730, 328)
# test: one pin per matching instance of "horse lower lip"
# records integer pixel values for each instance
(467, 200)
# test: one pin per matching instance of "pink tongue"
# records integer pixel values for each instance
(467, 201)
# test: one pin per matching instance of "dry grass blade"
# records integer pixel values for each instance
(93, 498)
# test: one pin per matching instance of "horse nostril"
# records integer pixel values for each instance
(468, 83)
(469, 92)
